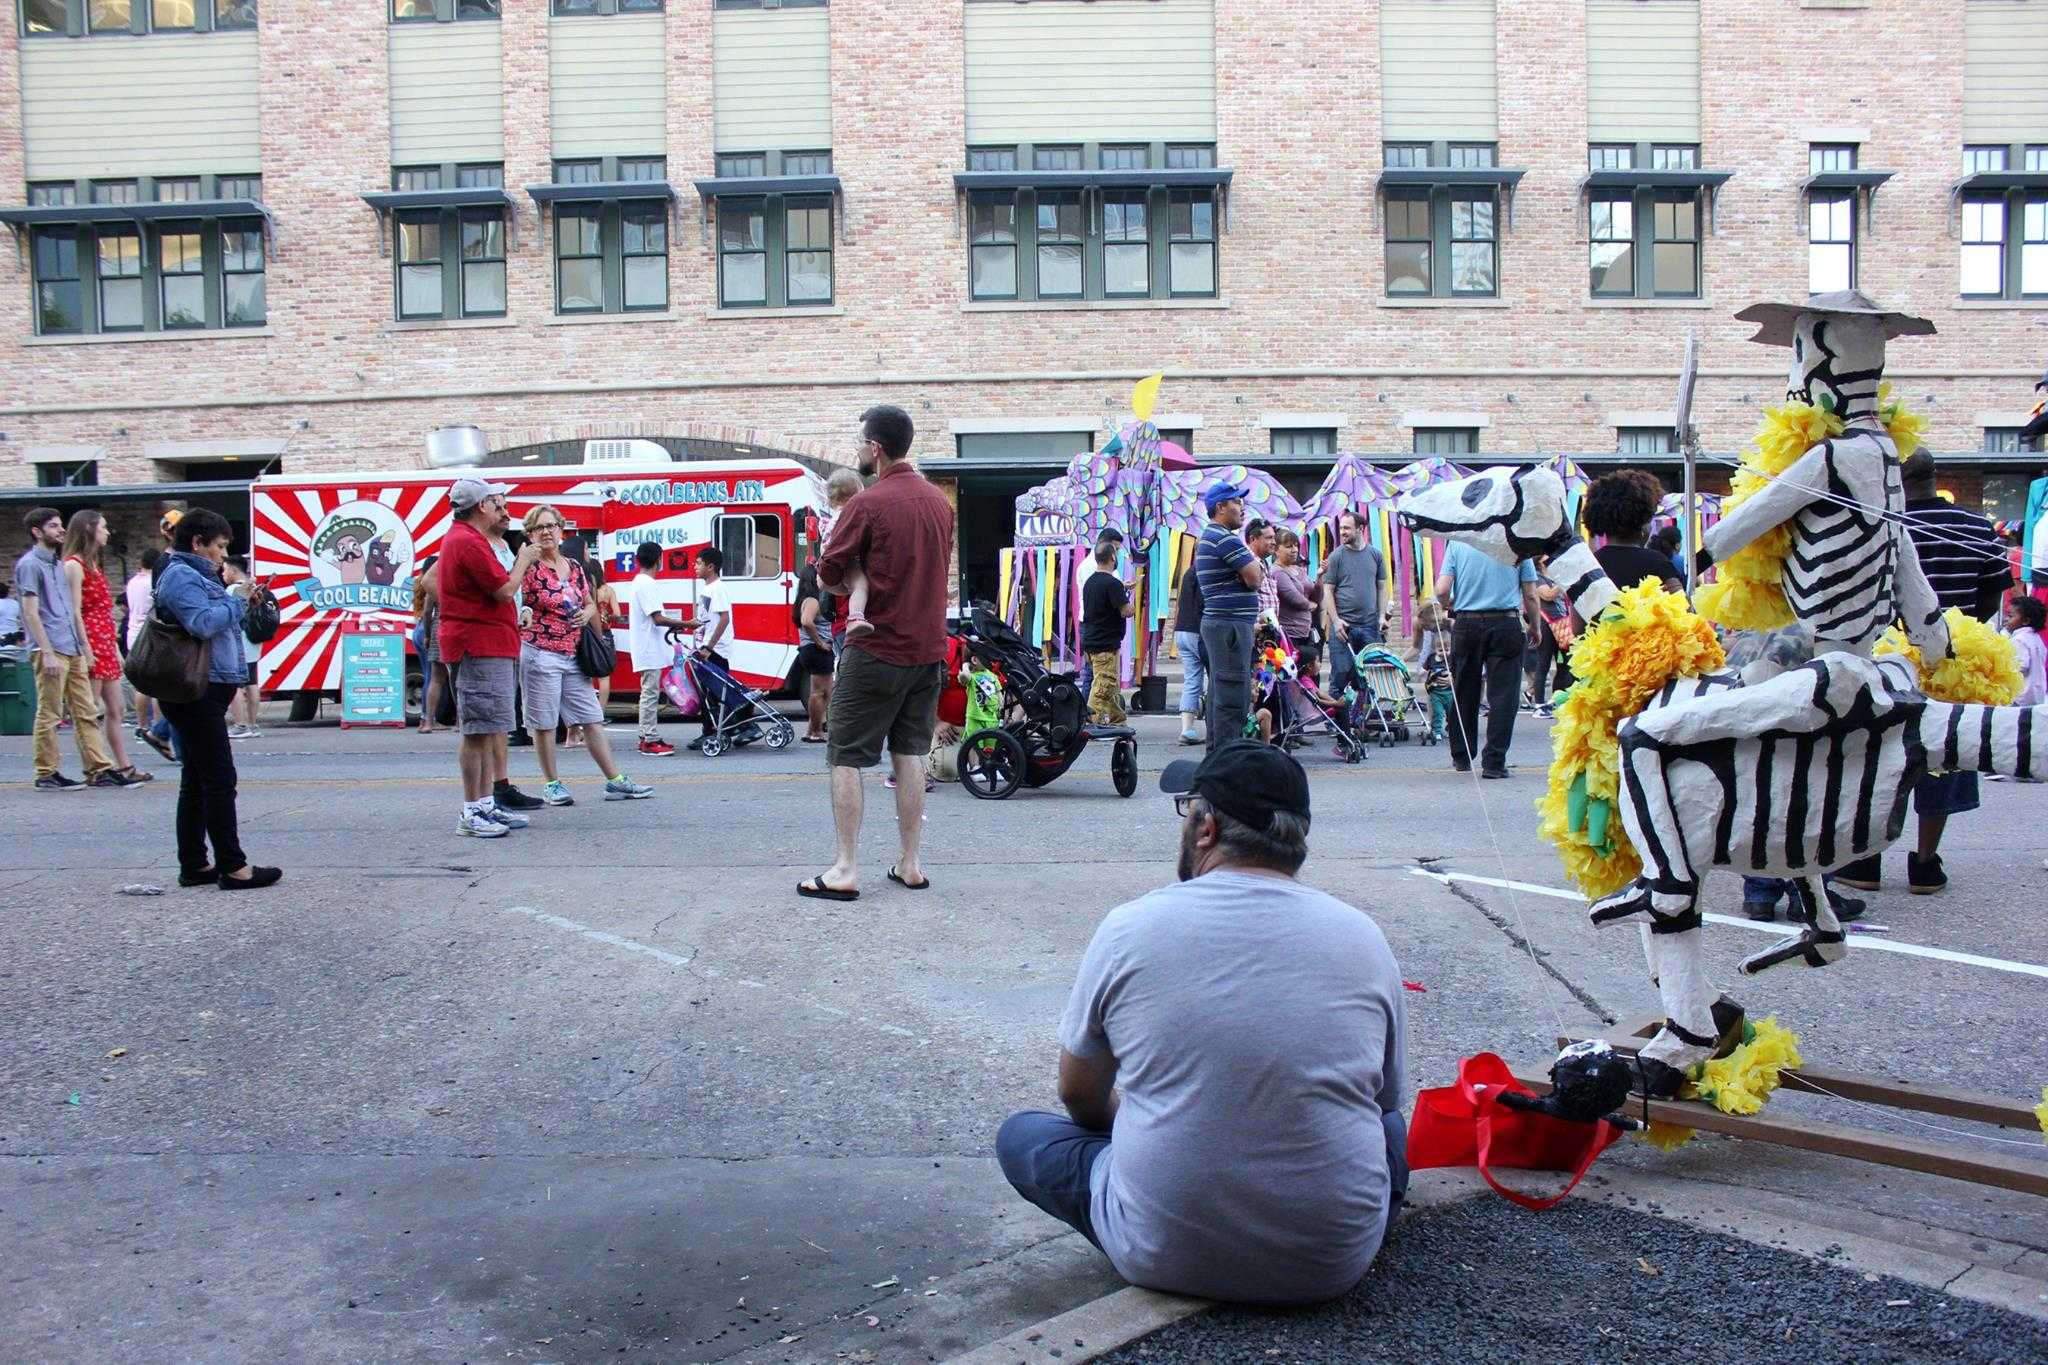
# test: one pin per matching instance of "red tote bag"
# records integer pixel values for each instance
(1467, 1125)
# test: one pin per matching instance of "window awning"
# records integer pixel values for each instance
(601, 192)
(1993, 182)
(21, 217)
(1708, 181)
(1445, 177)
(388, 202)
(1215, 178)
(1863, 184)
(759, 186)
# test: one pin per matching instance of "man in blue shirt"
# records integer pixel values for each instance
(1229, 575)
(1494, 619)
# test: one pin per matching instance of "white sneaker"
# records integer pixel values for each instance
(499, 815)
(479, 826)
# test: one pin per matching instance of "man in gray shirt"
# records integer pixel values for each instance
(1256, 1150)
(1351, 580)
(63, 661)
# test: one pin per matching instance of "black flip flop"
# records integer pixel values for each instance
(816, 889)
(897, 878)
(813, 739)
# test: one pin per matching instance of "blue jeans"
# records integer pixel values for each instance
(1192, 672)
(1047, 1159)
(162, 728)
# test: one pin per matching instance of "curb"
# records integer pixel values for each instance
(1084, 1333)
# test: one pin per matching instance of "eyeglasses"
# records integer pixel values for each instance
(1184, 803)
(547, 526)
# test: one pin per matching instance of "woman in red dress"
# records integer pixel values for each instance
(92, 604)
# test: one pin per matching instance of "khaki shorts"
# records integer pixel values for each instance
(874, 701)
(556, 690)
(483, 695)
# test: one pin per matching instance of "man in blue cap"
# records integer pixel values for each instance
(1229, 575)
(1242, 1144)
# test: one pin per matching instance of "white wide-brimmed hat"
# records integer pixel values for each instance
(1776, 321)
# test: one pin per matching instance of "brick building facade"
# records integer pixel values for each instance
(1302, 332)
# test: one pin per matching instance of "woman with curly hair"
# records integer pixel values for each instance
(1619, 507)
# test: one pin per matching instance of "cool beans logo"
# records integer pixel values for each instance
(362, 561)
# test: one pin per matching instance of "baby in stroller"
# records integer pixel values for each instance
(1432, 655)
(1288, 707)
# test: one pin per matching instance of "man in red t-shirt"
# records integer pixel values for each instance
(899, 535)
(479, 641)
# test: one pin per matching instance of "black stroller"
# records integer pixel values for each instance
(738, 715)
(1044, 719)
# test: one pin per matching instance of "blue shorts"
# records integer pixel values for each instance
(1942, 794)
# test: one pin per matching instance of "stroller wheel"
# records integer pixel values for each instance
(1123, 766)
(714, 745)
(991, 764)
(779, 735)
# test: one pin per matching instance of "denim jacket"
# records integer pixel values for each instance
(189, 591)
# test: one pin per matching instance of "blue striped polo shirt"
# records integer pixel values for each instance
(1219, 559)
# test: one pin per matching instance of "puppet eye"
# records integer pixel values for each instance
(1476, 492)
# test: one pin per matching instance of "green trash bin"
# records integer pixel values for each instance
(17, 693)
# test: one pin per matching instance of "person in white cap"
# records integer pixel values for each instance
(479, 642)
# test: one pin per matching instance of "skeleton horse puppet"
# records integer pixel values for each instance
(1790, 775)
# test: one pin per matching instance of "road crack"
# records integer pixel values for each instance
(1535, 954)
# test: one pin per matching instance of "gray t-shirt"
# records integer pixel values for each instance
(1256, 1024)
(1355, 575)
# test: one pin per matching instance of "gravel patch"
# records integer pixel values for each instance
(1482, 1280)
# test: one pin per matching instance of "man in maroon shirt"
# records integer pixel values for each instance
(479, 641)
(899, 533)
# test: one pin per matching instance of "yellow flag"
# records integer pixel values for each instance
(1144, 394)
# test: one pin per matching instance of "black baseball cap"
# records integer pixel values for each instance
(1246, 780)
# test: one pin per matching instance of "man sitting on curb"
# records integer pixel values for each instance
(1256, 1150)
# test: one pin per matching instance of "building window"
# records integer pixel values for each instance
(1643, 242)
(60, 291)
(55, 194)
(1101, 242)
(742, 165)
(1446, 441)
(109, 16)
(120, 280)
(1060, 241)
(742, 254)
(1985, 158)
(1831, 156)
(441, 11)
(83, 18)
(992, 256)
(249, 187)
(1643, 440)
(1983, 248)
(610, 256)
(116, 192)
(181, 190)
(181, 277)
(1830, 223)
(450, 261)
(566, 7)
(807, 230)
(1304, 441)
(1442, 240)
(1191, 244)
(68, 474)
(243, 293)
(807, 163)
(2002, 441)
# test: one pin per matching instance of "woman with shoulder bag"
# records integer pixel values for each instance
(191, 594)
(559, 603)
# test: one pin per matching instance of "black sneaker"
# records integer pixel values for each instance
(1865, 874)
(111, 779)
(57, 782)
(519, 739)
(511, 798)
(1762, 911)
(1924, 877)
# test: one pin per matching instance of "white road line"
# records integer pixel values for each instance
(673, 960)
(1857, 942)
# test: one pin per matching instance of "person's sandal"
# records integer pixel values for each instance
(897, 878)
(816, 889)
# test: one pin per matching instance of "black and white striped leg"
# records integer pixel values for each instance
(1822, 940)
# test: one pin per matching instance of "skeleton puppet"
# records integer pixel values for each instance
(1801, 773)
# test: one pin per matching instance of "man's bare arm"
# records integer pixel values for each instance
(1088, 1090)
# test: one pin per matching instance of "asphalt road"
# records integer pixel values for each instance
(609, 1087)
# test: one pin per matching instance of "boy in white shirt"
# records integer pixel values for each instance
(649, 646)
(714, 622)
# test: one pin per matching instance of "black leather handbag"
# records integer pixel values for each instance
(596, 655)
(261, 621)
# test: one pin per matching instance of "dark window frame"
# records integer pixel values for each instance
(1643, 441)
(611, 218)
(588, 9)
(1644, 227)
(775, 212)
(453, 225)
(1444, 440)
(448, 12)
(84, 286)
(208, 16)
(2001, 441)
(1024, 241)
(68, 474)
(1318, 440)
(1440, 234)
(2021, 211)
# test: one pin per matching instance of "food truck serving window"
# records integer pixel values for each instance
(751, 545)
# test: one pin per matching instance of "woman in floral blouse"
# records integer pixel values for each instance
(556, 594)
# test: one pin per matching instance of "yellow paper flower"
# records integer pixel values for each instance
(1666, 1137)
(1645, 638)
(1748, 592)
(2041, 1113)
(1984, 668)
(1740, 1082)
